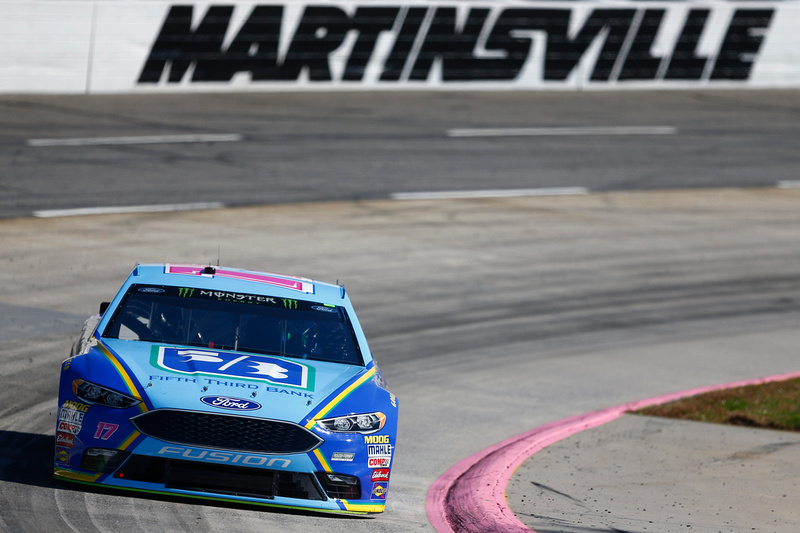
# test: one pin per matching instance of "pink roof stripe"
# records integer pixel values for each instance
(295, 284)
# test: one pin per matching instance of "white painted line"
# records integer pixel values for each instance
(795, 184)
(146, 139)
(52, 213)
(546, 132)
(497, 193)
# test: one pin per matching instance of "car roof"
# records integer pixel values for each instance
(237, 280)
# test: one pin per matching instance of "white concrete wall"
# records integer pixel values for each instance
(124, 46)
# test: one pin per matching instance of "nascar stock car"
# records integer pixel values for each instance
(228, 384)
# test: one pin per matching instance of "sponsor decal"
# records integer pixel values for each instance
(376, 439)
(324, 308)
(343, 456)
(152, 290)
(235, 297)
(379, 462)
(76, 406)
(66, 427)
(226, 402)
(70, 417)
(185, 292)
(105, 430)
(225, 364)
(395, 43)
(379, 455)
(62, 456)
(65, 439)
(379, 449)
(234, 384)
(380, 474)
(289, 304)
(242, 459)
(379, 491)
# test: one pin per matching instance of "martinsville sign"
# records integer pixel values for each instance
(128, 46)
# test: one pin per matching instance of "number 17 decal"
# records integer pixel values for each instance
(105, 430)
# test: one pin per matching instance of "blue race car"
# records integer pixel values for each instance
(228, 384)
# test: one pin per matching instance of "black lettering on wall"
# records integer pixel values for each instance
(370, 22)
(621, 37)
(685, 64)
(254, 49)
(616, 23)
(639, 63)
(321, 31)
(178, 46)
(403, 44)
(563, 53)
(741, 44)
(454, 48)
(517, 48)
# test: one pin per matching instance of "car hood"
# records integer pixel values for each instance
(226, 382)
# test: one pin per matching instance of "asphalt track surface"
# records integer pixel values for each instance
(257, 149)
(489, 317)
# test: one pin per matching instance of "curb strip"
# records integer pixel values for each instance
(470, 496)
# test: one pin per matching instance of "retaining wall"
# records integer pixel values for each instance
(129, 46)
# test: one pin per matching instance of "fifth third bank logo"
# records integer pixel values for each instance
(236, 365)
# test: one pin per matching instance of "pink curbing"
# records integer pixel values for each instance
(470, 496)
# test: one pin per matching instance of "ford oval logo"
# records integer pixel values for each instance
(151, 290)
(226, 402)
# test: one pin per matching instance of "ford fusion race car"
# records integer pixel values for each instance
(228, 384)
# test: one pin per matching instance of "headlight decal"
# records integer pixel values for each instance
(124, 374)
(95, 394)
(339, 397)
(363, 423)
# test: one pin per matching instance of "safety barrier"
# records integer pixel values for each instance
(129, 46)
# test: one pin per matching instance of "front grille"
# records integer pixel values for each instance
(220, 479)
(228, 432)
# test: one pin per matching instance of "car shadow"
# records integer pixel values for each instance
(27, 458)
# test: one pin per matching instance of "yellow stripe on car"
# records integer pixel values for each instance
(341, 396)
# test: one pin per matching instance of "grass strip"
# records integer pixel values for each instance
(774, 405)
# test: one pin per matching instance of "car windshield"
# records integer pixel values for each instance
(235, 321)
